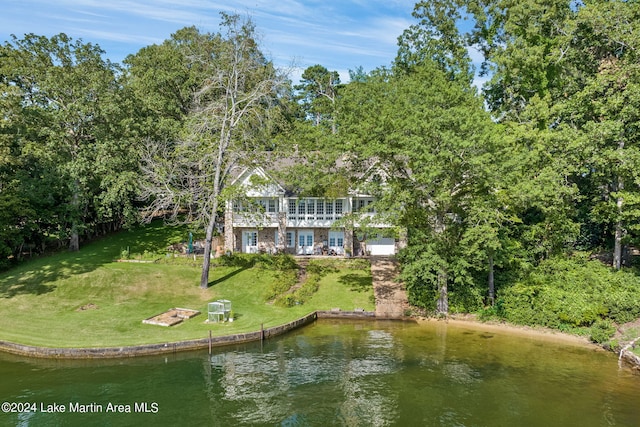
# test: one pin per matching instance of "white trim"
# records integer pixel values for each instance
(250, 241)
(305, 242)
(336, 242)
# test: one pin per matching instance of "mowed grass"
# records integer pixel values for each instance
(88, 299)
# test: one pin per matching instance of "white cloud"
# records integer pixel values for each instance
(89, 34)
(339, 34)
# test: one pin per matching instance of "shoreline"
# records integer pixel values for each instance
(522, 330)
(625, 355)
(119, 352)
(115, 352)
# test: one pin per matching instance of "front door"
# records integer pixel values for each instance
(250, 242)
(305, 242)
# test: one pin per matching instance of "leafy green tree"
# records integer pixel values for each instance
(436, 38)
(318, 91)
(164, 79)
(563, 79)
(72, 112)
(523, 45)
(602, 102)
(431, 135)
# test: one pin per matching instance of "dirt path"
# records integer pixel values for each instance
(391, 297)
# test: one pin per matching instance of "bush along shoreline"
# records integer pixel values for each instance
(575, 295)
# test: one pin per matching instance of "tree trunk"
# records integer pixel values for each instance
(74, 240)
(617, 245)
(206, 264)
(443, 297)
(204, 278)
(492, 291)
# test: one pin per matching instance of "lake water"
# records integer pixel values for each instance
(349, 373)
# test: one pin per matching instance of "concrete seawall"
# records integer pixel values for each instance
(163, 348)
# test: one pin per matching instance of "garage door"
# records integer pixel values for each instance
(382, 246)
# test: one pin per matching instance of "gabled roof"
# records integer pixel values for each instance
(271, 167)
(258, 182)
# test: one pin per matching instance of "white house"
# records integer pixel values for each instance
(269, 219)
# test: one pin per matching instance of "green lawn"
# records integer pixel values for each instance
(88, 299)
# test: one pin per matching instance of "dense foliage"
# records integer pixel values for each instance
(495, 191)
(563, 93)
(572, 292)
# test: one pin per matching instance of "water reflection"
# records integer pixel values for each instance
(343, 373)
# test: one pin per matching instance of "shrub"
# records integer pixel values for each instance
(280, 262)
(282, 282)
(288, 300)
(569, 293)
(602, 330)
(623, 305)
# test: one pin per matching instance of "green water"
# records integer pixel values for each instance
(336, 373)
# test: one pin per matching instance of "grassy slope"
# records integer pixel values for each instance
(41, 301)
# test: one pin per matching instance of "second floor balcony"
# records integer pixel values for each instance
(297, 212)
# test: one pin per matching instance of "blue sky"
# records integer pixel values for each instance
(338, 34)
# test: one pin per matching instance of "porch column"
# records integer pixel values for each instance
(282, 232)
(228, 229)
(348, 240)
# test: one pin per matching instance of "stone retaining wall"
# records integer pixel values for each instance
(151, 349)
(334, 314)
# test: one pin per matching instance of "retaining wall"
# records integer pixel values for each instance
(151, 349)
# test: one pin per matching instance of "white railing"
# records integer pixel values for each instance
(312, 220)
(293, 220)
(255, 220)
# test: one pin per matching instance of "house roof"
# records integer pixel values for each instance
(277, 170)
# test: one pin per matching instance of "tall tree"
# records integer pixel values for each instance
(436, 38)
(72, 114)
(224, 128)
(318, 93)
(431, 134)
(165, 79)
(602, 101)
(566, 73)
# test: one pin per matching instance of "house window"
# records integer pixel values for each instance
(311, 207)
(329, 208)
(338, 207)
(320, 207)
(253, 239)
(273, 206)
(289, 239)
(301, 207)
(336, 239)
(292, 206)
